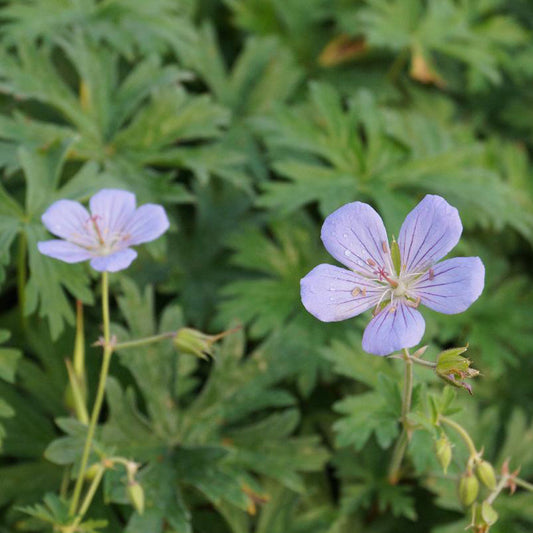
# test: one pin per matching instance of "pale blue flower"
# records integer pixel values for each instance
(355, 236)
(103, 235)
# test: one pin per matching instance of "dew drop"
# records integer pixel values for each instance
(347, 253)
(331, 298)
(345, 235)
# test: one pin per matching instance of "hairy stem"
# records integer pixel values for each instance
(463, 434)
(523, 483)
(496, 492)
(108, 350)
(90, 495)
(145, 340)
(405, 436)
(21, 276)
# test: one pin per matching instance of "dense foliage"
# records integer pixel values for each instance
(250, 121)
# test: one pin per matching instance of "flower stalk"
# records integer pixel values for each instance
(462, 433)
(108, 351)
(405, 436)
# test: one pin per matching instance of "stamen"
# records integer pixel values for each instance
(431, 273)
(392, 309)
(371, 262)
(356, 291)
(363, 291)
(414, 305)
(384, 247)
(94, 220)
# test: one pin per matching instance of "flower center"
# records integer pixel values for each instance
(400, 290)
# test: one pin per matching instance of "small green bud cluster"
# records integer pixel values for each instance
(479, 473)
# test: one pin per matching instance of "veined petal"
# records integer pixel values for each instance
(451, 286)
(355, 235)
(392, 330)
(113, 209)
(331, 293)
(69, 220)
(64, 251)
(114, 262)
(428, 233)
(147, 223)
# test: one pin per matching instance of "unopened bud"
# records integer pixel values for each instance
(443, 449)
(194, 342)
(488, 514)
(452, 367)
(477, 523)
(91, 472)
(468, 489)
(485, 474)
(136, 496)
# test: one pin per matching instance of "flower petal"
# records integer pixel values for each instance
(114, 262)
(331, 293)
(428, 233)
(451, 286)
(148, 223)
(391, 330)
(355, 235)
(63, 250)
(69, 219)
(114, 208)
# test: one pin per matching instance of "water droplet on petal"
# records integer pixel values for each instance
(345, 235)
(347, 253)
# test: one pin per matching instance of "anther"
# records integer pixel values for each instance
(431, 273)
(414, 305)
(384, 247)
(94, 220)
(363, 291)
(356, 291)
(371, 262)
(392, 309)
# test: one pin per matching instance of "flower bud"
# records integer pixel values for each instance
(91, 472)
(489, 515)
(136, 496)
(452, 368)
(485, 474)
(194, 342)
(468, 489)
(443, 449)
(477, 523)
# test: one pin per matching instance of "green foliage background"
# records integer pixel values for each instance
(250, 121)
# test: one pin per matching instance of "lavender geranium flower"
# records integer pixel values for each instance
(394, 280)
(106, 233)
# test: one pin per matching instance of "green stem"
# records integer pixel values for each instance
(524, 484)
(405, 436)
(462, 432)
(89, 496)
(108, 351)
(145, 340)
(423, 362)
(21, 276)
(499, 487)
